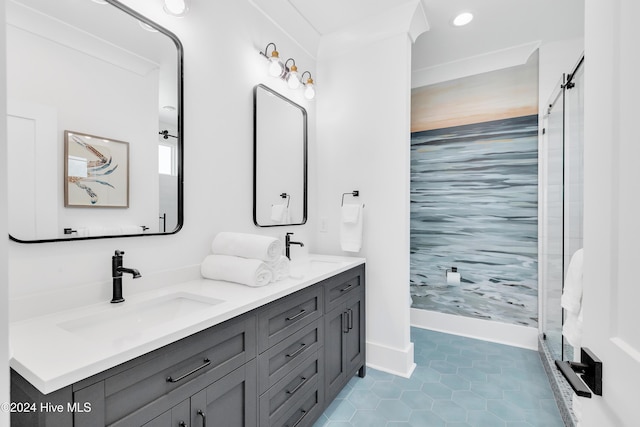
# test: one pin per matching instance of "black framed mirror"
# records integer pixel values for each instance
(95, 122)
(279, 160)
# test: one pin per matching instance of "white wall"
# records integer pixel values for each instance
(4, 283)
(221, 65)
(363, 144)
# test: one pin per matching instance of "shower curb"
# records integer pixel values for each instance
(562, 391)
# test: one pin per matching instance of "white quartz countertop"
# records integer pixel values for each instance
(50, 356)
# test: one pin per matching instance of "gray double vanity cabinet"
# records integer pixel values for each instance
(280, 364)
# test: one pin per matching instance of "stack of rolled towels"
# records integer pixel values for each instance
(249, 259)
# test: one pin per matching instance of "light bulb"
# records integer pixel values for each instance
(292, 78)
(276, 67)
(176, 7)
(310, 91)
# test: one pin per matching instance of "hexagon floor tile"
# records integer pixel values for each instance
(458, 381)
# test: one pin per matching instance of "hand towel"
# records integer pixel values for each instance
(351, 227)
(279, 213)
(279, 268)
(247, 246)
(250, 272)
(350, 213)
(571, 300)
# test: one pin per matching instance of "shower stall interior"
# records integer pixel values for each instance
(562, 193)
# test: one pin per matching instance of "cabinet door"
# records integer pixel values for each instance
(354, 337)
(178, 416)
(229, 402)
(334, 352)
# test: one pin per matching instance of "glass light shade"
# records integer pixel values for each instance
(292, 80)
(176, 7)
(309, 91)
(276, 67)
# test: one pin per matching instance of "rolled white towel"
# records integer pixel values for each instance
(279, 268)
(250, 272)
(244, 245)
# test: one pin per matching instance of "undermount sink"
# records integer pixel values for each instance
(132, 318)
(311, 267)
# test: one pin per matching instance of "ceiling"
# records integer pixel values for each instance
(498, 24)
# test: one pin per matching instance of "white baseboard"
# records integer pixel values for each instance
(487, 330)
(391, 360)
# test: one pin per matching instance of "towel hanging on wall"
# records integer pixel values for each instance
(351, 222)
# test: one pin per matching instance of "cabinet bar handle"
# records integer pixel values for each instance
(345, 323)
(204, 417)
(303, 311)
(301, 418)
(304, 380)
(350, 317)
(297, 352)
(206, 363)
(347, 288)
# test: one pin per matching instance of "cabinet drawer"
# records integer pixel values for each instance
(290, 390)
(275, 363)
(305, 413)
(281, 318)
(178, 371)
(337, 289)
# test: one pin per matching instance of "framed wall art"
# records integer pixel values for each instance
(96, 171)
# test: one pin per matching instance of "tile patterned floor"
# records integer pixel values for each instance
(458, 382)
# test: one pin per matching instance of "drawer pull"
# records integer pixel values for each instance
(304, 380)
(204, 417)
(298, 351)
(303, 311)
(182, 424)
(347, 288)
(350, 318)
(206, 363)
(300, 419)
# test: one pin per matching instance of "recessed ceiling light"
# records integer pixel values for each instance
(462, 19)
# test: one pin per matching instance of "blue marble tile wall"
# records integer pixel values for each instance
(474, 206)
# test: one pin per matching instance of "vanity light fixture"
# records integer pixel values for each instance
(462, 19)
(309, 88)
(288, 73)
(276, 67)
(177, 8)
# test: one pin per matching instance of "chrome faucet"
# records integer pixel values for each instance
(288, 243)
(116, 273)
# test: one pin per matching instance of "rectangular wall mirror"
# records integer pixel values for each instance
(280, 160)
(94, 103)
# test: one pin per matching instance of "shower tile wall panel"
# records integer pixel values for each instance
(474, 202)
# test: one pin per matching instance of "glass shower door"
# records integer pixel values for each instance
(562, 202)
(552, 220)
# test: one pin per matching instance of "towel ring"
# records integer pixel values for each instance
(286, 196)
(354, 193)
